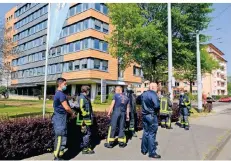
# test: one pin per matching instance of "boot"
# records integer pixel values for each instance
(155, 156)
(122, 145)
(87, 151)
(108, 145)
(134, 134)
(169, 127)
(182, 125)
(163, 126)
(186, 128)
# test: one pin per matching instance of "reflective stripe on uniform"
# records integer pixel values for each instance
(168, 123)
(108, 136)
(164, 105)
(122, 140)
(56, 152)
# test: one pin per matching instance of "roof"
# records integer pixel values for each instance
(215, 48)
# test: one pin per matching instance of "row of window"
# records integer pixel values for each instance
(137, 71)
(80, 64)
(30, 44)
(88, 43)
(30, 31)
(29, 58)
(24, 9)
(9, 18)
(78, 8)
(84, 25)
(31, 17)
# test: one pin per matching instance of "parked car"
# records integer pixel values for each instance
(225, 99)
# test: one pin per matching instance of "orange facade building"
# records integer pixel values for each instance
(81, 54)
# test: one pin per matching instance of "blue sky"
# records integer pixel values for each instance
(221, 22)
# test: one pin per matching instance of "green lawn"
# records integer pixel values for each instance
(20, 108)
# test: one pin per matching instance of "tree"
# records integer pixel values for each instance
(140, 35)
(229, 85)
(189, 71)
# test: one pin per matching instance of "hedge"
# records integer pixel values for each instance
(26, 137)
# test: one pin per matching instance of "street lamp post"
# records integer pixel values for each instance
(170, 51)
(199, 81)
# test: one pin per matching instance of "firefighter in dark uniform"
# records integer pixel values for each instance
(119, 113)
(132, 123)
(60, 117)
(150, 109)
(85, 119)
(184, 105)
(166, 111)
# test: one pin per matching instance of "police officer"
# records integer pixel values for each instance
(184, 104)
(150, 108)
(166, 111)
(118, 112)
(59, 118)
(85, 119)
(132, 123)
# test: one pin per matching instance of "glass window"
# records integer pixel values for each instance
(97, 6)
(78, 8)
(84, 64)
(39, 72)
(64, 49)
(72, 12)
(71, 47)
(35, 71)
(76, 65)
(105, 28)
(78, 27)
(65, 32)
(72, 29)
(53, 71)
(85, 6)
(36, 57)
(53, 52)
(96, 64)
(105, 46)
(58, 51)
(31, 72)
(77, 46)
(58, 68)
(85, 24)
(43, 55)
(96, 44)
(97, 25)
(85, 44)
(65, 67)
(70, 66)
(49, 69)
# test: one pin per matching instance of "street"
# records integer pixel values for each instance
(204, 140)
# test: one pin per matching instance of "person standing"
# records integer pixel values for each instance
(150, 108)
(166, 111)
(85, 119)
(119, 113)
(59, 118)
(132, 123)
(184, 104)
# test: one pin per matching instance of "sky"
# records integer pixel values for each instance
(219, 29)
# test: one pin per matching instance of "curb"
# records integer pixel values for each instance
(214, 151)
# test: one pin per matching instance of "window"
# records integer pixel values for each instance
(77, 46)
(43, 55)
(70, 66)
(71, 47)
(35, 71)
(96, 44)
(105, 9)
(105, 65)
(53, 70)
(76, 65)
(120, 72)
(84, 64)
(78, 8)
(36, 58)
(64, 32)
(78, 27)
(177, 84)
(72, 29)
(53, 52)
(58, 51)
(105, 28)
(31, 72)
(58, 68)
(39, 72)
(85, 24)
(97, 25)
(105, 46)
(64, 49)
(72, 12)
(49, 69)
(97, 6)
(85, 6)
(85, 44)
(96, 64)
(65, 67)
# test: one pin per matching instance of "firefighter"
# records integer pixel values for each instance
(118, 112)
(184, 105)
(60, 117)
(133, 115)
(85, 119)
(166, 111)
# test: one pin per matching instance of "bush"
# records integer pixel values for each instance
(25, 137)
(97, 99)
(3, 89)
(192, 97)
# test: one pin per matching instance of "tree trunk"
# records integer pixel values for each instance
(190, 82)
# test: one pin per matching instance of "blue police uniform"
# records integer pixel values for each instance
(59, 121)
(184, 104)
(150, 107)
(85, 120)
(118, 117)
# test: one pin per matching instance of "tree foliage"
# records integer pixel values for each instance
(140, 35)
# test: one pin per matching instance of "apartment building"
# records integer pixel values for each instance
(81, 54)
(212, 84)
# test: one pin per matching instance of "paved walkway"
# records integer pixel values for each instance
(175, 144)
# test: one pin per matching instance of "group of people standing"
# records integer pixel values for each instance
(122, 114)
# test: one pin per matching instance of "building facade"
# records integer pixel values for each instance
(81, 55)
(212, 84)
